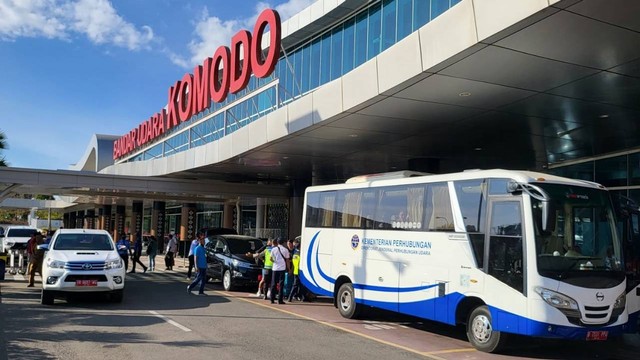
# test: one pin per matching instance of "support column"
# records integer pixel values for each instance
(227, 215)
(296, 204)
(79, 219)
(105, 219)
(187, 227)
(72, 220)
(90, 219)
(120, 213)
(261, 207)
(157, 223)
(136, 218)
(65, 220)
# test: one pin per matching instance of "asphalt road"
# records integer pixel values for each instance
(159, 320)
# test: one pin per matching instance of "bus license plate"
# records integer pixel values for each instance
(597, 335)
(86, 282)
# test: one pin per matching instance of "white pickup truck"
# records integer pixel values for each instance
(81, 261)
(16, 237)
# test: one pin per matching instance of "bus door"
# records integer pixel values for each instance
(504, 250)
(629, 214)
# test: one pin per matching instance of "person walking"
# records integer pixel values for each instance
(172, 248)
(200, 258)
(35, 263)
(280, 258)
(265, 281)
(123, 247)
(152, 251)
(137, 254)
(295, 292)
(192, 248)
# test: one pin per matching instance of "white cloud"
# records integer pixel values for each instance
(212, 32)
(95, 19)
(98, 20)
(30, 18)
(292, 7)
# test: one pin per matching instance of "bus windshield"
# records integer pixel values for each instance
(581, 239)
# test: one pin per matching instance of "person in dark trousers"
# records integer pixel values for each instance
(172, 248)
(137, 253)
(295, 292)
(280, 258)
(152, 251)
(200, 258)
(123, 247)
(194, 245)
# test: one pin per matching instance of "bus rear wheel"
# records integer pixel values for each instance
(346, 301)
(481, 333)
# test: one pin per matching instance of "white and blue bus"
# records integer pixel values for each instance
(504, 252)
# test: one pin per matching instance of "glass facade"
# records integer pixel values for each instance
(324, 57)
(619, 173)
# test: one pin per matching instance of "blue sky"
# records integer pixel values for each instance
(73, 68)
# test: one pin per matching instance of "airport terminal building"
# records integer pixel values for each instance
(351, 87)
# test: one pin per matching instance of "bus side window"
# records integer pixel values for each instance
(439, 201)
(471, 196)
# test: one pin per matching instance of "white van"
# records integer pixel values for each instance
(81, 261)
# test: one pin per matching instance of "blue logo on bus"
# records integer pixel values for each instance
(355, 241)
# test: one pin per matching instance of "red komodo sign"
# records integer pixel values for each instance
(211, 81)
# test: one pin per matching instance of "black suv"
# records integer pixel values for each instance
(209, 232)
(227, 260)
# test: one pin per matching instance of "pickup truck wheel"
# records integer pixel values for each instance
(46, 297)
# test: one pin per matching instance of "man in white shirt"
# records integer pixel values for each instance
(172, 247)
(280, 257)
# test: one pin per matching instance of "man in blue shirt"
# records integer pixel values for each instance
(192, 248)
(201, 263)
(123, 247)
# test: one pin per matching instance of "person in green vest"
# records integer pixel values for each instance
(296, 288)
(264, 255)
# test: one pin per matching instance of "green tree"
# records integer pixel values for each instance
(3, 145)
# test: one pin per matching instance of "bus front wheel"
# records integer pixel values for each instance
(346, 301)
(481, 333)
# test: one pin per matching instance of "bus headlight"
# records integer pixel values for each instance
(621, 301)
(557, 300)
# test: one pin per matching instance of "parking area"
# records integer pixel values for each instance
(162, 292)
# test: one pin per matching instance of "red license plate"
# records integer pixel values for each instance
(597, 335)
(86, 282)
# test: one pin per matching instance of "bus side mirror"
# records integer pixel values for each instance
(548, 217)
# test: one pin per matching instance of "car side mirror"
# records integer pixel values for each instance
(44, 247)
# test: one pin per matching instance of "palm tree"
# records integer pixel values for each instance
(3, 145)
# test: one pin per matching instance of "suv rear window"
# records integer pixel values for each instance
(20, 232)
(82, 242)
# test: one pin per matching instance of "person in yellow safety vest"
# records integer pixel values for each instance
(296, 288)
(265, 256)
